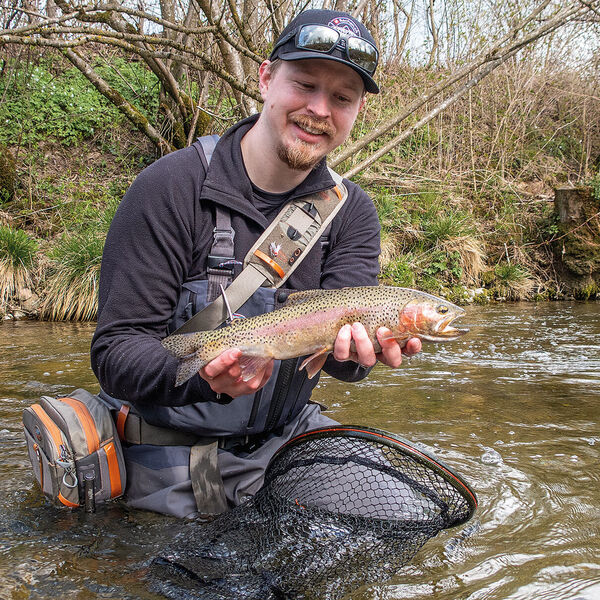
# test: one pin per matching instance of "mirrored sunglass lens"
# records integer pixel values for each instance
(321, 39)
(363, 54)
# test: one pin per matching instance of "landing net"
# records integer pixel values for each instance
(340, 507)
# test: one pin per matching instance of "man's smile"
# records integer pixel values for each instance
(313, 127)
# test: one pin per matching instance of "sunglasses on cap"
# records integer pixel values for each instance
(325, 39)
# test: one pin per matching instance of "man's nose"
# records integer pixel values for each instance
(319, 104)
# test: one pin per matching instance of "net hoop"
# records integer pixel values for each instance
(396, 442)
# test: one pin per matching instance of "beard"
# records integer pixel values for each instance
(300, 155)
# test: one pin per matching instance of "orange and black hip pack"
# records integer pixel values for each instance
(75, 450)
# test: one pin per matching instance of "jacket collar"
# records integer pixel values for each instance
(227, 182)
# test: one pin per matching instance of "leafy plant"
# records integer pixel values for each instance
(400, 271)
(39, 103)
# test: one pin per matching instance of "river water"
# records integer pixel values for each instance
(512, 407)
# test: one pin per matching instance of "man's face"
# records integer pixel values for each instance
(310, 107)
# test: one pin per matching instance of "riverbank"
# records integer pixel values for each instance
(466, 203)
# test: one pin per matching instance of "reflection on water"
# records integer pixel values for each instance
(512, 406)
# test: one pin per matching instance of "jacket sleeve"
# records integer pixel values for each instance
(146, 255)
(352, 260)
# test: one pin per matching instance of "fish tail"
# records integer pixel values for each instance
(188, 367)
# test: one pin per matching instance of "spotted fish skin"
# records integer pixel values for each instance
(309, 322)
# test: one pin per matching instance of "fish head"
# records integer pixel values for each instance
(430, 318)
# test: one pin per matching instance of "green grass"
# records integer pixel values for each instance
(71, 290)
(513, 281)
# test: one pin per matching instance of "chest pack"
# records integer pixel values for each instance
(74, 449)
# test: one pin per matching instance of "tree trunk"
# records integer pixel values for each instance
(577, 247)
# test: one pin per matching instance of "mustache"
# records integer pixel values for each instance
(319, 125)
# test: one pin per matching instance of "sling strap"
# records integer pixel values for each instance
(272, 259)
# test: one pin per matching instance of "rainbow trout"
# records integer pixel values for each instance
(308, 324)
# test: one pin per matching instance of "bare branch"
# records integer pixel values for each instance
(507, 45)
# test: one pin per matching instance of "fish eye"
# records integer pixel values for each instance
(442, 309)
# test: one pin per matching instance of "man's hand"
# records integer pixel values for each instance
(390, 355)
(224, 375)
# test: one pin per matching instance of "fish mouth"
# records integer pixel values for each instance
(444, 329)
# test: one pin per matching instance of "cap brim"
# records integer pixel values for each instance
(369, 82)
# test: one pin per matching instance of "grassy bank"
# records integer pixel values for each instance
(465, 203)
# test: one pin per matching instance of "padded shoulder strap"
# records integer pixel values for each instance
(207, 144)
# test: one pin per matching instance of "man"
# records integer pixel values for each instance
(157, 268)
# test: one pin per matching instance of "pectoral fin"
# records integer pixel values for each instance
(314, 363)
(251, 365)
(188, 367)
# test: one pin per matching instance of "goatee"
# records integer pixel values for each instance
(302, 156)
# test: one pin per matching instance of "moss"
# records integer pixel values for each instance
(8, 174)
(587, 292)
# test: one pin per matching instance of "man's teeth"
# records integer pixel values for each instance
(310, 130)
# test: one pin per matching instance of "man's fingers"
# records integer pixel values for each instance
(412, 347)
(364, 347)
(224, 375)
(223, 363)
(390, 354)
(341, 348)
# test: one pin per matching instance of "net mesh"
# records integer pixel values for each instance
(339, 508)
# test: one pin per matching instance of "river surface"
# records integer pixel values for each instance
(513, 407)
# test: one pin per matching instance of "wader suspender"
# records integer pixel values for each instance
(272, 259)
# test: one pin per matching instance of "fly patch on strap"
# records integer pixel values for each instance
(293, 233)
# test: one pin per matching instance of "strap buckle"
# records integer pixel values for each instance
(223, 234)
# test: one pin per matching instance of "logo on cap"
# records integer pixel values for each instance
(345, 25)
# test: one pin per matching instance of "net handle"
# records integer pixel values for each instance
(399, 443)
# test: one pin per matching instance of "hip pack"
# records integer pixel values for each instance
(74, 450)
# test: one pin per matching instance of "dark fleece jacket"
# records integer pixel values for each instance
(160, 237)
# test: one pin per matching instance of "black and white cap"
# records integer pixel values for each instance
(286, 49)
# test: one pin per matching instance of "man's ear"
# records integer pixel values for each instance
(363, 101)
(264, 77)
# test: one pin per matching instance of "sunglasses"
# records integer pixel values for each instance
(325, 39)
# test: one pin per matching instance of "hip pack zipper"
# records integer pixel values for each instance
(87, 422)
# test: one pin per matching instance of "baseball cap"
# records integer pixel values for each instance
(330, 35)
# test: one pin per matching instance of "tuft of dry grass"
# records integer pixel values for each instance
(17, 257)
(471, 254)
